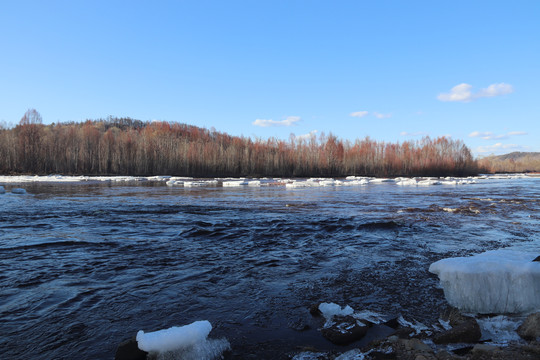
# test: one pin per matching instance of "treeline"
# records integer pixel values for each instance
(123, 146)
(511, 163)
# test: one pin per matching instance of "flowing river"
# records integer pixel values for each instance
(85, 265)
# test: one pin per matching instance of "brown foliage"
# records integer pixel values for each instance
(122, 146)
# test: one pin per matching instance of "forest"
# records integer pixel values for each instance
(125, 146)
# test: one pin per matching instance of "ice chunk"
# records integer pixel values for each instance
(407, 182)
(2, 190)
(429, 182)
(174, 182)
(370, 316)
(354, 354)
(500, 330)
(174, 338)
(499, 281)
(417, 326)
(329, 310)
(381, 180)
(18, 191)
(200, 183)
(235, 183)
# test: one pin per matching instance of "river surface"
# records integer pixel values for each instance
(84, 266)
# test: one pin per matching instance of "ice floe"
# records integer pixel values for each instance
(235, 183)
(498, 281)
(241, 182)
(2, 190)
(184, 342)
(329, 310)
(18, 191)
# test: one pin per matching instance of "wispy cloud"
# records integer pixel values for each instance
(490, 136)
(463, 93)
(382, 116)
(359, 114)
(289, 121)
(418, 133)
(307, 136)
(500, 148)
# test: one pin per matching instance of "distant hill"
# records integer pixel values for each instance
(517, 155)
(510, 163)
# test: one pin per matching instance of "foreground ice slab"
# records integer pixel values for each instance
(174, 338)
(499, 281)
(187, 342)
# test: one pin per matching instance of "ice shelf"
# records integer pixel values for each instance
(498, 281)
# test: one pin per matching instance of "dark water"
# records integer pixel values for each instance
(85, 266)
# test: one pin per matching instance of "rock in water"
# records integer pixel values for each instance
(530, 329)
(344, 330)
(467, 331)
(129, 350)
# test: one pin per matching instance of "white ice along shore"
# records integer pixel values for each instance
(243, 182)
(494, 282)
(189, 342)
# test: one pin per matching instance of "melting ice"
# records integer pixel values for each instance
(499, 281)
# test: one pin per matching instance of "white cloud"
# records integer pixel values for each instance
(500, 148)
(359, 114)
(496, 90)
(289, 121)
(307, 136)
(490, 136)
(518, 133)
(463, 93)
(419, 133)
(382, 116)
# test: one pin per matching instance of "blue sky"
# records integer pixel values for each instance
(390, 70)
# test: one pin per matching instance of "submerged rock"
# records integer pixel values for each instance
(530, 329)
(345, 330)
(129, 350)
(467, 331)
(298, 324)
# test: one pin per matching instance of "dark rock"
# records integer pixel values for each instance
(314, 310)
(377, 355)
(454, 316)
(129, 350)
(393, 323)
(537, 258)
(345, 330)
(484, 348)
(462, 351)
(530, 329)
(467, 331)
(404, 333)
